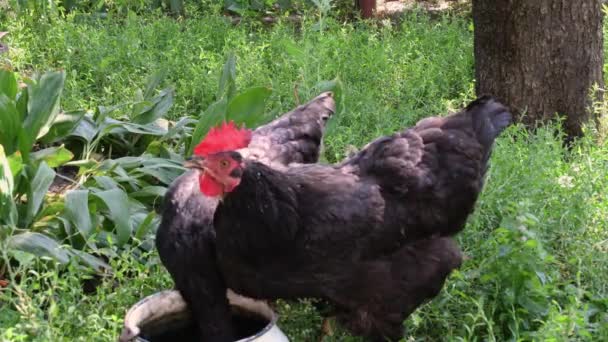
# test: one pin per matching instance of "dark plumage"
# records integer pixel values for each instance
(371, 234)
(186, 239)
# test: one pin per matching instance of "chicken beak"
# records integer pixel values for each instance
(195, 162)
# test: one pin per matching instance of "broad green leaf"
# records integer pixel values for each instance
(77, 211)
(103, 112)
(21, 103)
(149, 191)
(106, 182)
(153, 82)
(151, 130)
(179, 126)
(54, 156)
(86, 129)
(248, 107)
(24, 259)
(39, 245)
(155, 163)
(90, 260)
(117, 203)
(42, 108)
(8, 84)
(8, 210)
(228, 78)
(116, 127)
(127, 162)
(169, 153)
(143, 227)
(64, 124)
(84, 165)
(139, 96)
(10, 124)
(214, 114)
(51, 209)
(43, 102)
(154, 148)
(6, 173)
(162, 104)
(39, 186)
(123, 176)
(65, 223)
(136, 207)
(165, 176)
(16, 163)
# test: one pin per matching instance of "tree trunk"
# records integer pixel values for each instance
(367, 7)
(540, 57)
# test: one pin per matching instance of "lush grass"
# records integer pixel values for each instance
(391, 74)
(543, 275)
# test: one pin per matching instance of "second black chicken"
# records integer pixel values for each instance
(372, 235)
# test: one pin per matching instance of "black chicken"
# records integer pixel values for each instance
(186, 239)
(370, 235)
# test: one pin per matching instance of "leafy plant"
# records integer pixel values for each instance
(126, 129)
(31, 113)
(129, 154)
(323, 6)
(21, 220)
(260, 6)
(26, 116)
(519, 274)
(8, 210)
(247, 107)
(40, 9)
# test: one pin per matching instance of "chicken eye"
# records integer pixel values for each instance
(224, 163)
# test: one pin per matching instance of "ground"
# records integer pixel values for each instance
(537, 266)
(396, 7)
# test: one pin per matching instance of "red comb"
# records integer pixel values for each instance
(226, 137)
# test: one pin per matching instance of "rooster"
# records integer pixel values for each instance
(185, 239)
(371, 235)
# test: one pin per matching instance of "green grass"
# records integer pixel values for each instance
(537, 243)
(391, 75)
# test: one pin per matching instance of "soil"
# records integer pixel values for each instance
(60, 184)
(391, 8)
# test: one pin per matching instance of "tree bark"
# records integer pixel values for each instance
(368, 7)
(541, 57)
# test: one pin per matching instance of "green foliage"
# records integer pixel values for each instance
(39, 9)
(8, 210)
(394, 73)
(536, 265)
(114, 200)
(29, 114)
(246, 107)
(534, 246)
(39, 245)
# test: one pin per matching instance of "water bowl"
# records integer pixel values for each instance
(164, 317)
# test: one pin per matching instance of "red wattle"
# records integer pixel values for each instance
(209, 186)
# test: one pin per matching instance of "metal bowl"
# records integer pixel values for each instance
(164, 316)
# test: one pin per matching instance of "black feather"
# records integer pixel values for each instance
(372, 235)
(186, 238)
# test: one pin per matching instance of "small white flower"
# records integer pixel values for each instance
(566, 181)
(576, 168)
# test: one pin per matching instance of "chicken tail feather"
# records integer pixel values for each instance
(489, 117)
